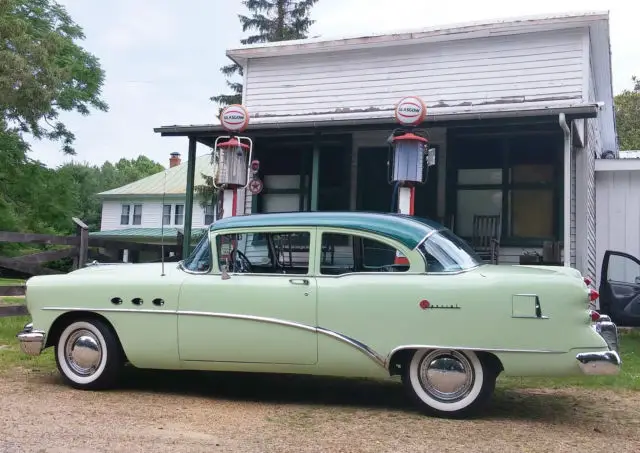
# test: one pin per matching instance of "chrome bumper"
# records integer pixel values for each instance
(604, 362)
(31, 341)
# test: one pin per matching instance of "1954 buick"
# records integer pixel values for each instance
(343, 294)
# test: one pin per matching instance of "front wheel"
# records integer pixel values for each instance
(449, 383)
(88, 355)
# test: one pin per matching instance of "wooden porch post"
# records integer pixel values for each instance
(188, 208)
(315, 173)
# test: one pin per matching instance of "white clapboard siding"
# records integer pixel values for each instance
(618, 213)
(532, 67)
(151, 213)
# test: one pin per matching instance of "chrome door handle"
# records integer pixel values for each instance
(299, 281)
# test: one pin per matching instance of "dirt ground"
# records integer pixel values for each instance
(209, 412)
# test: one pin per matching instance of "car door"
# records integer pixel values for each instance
(264, 314)
(620, 288)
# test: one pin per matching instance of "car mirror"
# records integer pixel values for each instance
(638, 280)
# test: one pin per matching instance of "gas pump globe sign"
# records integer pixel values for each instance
(232, 154)
(411, 111)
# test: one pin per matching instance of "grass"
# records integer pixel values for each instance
(628, 379)
(11, 281)
(11, 300)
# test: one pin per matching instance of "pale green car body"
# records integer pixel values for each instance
(347, 325)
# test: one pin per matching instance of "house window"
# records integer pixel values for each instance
(124, 214)
(166, 214)
(179, 214)
(515, 177)
(208, 214)
(137, 214)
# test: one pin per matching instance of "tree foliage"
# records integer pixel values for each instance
(272, 20)
(627, 105)
(44, 71)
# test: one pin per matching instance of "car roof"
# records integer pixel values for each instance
(408, 230)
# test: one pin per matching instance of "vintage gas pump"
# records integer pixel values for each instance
(409, 156)
(233, 167)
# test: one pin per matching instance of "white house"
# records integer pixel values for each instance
(153, 207)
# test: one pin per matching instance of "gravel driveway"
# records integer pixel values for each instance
(209, 412)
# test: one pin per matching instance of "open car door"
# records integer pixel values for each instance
(620, 288)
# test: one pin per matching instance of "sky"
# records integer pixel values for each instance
(162, 59)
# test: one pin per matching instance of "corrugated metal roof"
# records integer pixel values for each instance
(506, 25)
(175, 183)
(630, 154)
(168, 232)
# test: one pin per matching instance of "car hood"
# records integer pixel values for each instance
(128, 269)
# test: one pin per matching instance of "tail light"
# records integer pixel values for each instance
(593, 294)
(594, 315)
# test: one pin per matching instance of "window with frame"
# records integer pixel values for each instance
(124, 214)
(275, 253)
(179, 214)
(208, 214)
(515, 177)
(166, 214)
(343, 253)
(137, 214)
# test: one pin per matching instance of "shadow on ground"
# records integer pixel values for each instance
(554, 407)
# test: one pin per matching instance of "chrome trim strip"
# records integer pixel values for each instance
(373, 355)
(427, 236)
(113, 310)
(249, 318)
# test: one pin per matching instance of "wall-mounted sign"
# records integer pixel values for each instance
(234, 118)
(255, 186)
(410, 111)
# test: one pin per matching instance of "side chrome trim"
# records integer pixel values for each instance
(373, 355)
(281, 322)
(112, 310)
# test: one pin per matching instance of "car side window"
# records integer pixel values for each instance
(342, 253)
(200, 259)
(623, 270)
(264, 253)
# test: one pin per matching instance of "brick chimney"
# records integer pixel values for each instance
(174, 159)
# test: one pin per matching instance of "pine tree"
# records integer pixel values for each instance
(273, 20)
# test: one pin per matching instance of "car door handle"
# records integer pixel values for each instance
(299, 281)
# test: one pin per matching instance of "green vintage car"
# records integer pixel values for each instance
(343, 294)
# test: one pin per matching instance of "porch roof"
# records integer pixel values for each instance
(436, 117)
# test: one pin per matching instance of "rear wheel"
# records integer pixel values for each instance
(88, 355)
(449, 383)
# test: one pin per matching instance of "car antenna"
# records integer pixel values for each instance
(164, 192)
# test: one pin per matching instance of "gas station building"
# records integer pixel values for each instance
(517, 112)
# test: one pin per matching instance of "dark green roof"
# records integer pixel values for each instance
(407, 230)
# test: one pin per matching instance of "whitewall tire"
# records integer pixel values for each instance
(448, 383)
(88, 355)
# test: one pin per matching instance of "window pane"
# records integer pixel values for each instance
(339, 251)
(532, 173)
(200, 258)
(280, 202)
(622, 269)
(532, 213)
(480, 176)
(124, 215)
(137, 214)
(179, 217)
(166, 214)
(475, 202)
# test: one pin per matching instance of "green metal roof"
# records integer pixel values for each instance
(407, 230)
(175, 184)
(143, 233)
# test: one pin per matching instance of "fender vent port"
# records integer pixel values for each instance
(116, 301)
(137, 301)
(158, 302)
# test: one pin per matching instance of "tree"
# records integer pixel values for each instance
(44, 71)
(273, 20)
(627, 105)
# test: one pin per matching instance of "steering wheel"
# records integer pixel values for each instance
(243, 261)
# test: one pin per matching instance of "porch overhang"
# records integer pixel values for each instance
(352, 121)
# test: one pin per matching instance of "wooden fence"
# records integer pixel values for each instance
(81, 247)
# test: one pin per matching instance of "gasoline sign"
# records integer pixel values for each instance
(255, 186)
(411, 111)
(234, 118)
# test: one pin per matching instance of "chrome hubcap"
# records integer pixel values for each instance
(83, 352)
(446, 376)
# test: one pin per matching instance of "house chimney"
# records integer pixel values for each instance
(174, 159)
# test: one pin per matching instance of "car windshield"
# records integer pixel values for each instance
(200, 258)
(446, 252)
